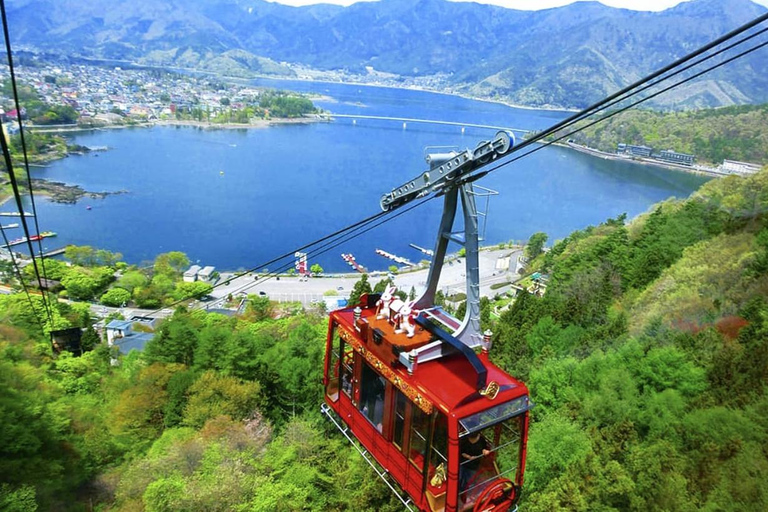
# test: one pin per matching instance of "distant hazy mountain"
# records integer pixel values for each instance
(567, 56)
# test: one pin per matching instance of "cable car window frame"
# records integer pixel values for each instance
(367, 377)
(496, 449)
(396, 415)
(432, 449)
(334, 368)
(485, 419)
(415, 412)
(347, 368)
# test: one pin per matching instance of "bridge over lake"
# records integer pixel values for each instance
(406, 120)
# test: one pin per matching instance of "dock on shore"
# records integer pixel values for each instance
(394, 257)
(349, 258)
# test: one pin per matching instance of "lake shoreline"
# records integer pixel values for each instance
(256, 124)
(641, 161)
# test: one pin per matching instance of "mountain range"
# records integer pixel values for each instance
(566, 57)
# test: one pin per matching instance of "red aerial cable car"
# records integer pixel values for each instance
(415, 386)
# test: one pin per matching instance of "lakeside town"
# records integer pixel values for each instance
(66, 96)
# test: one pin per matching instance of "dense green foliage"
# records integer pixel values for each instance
(713, 135)
(535, 245)
(647, 358)
(284, 104)
(268, 104)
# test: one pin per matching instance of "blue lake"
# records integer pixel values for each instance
(237, 198)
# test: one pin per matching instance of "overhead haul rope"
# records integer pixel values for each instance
(12, 174)
(583, 114)
(602, 105)
(17, 197)
(21, 278)
(587, 111)
(332, 244)
(616, 112)
(335, 234)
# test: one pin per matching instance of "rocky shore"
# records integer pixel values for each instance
(59, 192)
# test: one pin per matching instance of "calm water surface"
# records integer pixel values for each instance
(236, 198)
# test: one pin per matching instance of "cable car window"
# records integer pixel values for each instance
(494, 415)
(334, 370)
(438, 457)
(347, 368)
(418, 438)
(488, 457)
(439, 453)
(399, 430)
(372, 387)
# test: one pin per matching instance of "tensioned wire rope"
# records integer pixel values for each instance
(600, 106)
(332, 244)
(605, 101)
(623, 109)
(17, 197)
(621, 95)
(12, 176)
(335, 234)
(21, 278)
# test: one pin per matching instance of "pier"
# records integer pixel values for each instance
(34, 238)
(425, 251)
(15, 214)
(394, 257)
(54, 252)
(352, 263)
(406, 120)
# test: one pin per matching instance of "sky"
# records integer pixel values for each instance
(532, 5)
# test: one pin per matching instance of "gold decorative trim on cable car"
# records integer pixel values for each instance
(439, 477)
(386, 372)
(491, 390)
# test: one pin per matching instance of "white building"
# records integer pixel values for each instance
(190, 276)
(742, 168)
(206, 274)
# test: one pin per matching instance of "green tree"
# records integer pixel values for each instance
(83, 255)
(79, 285)
(259, 308)
(171, 264)
(535, 245)
(20, 499)
(131, 280)
(195, 289)
(362, 286)
(175, 340)
(316, 268)
(116, 297)
(89, 339)
(214, 395)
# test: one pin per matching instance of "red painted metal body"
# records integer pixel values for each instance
(422, 409)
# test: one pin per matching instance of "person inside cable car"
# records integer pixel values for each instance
(372, 404)
(473, 448)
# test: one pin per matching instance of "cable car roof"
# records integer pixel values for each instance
(449, 383)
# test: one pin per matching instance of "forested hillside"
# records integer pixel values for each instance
(713, 135)
(647, 358)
